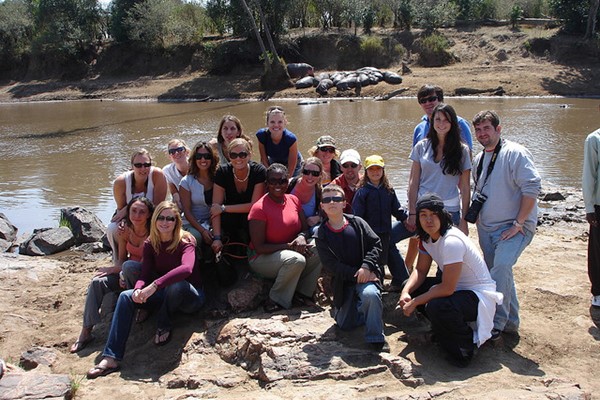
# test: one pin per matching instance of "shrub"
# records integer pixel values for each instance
(377, 53)
(433, 51)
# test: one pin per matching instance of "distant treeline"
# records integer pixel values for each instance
(50, 37)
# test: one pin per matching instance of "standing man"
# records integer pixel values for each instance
(350, 178)
(506, 188)
(591, 198)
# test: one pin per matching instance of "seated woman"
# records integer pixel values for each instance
(307, 188)
(326, 151)
(230, 128)
(169, 282)
(349, 249)
(178, 153)
(277, 144)
(461, 303)
(278, 232)
(238, 185)
(143, 180)
(106, 280)
(196, 192)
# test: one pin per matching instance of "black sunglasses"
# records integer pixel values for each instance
(241, 154)
(200, 156)
(429, 99)
(176, 150)
(327, 149)
(275, 181)
(335, 199)
(142, 164)
(163, 218)
(350, 165)
(309, 172)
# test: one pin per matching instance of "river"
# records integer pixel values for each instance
(59, 154)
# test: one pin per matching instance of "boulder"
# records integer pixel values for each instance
(31, 385)
(555, 196)
(247, 295)
(8, 233)
(300, 70)
(43, 242)
(37, 356)
(85, 225)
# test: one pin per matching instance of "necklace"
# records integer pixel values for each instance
(242, 180)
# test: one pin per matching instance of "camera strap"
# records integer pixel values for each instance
(490, 165)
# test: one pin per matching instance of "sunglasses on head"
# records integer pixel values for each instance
(335, 199)
(327, 149)
(176, 150)
(275, 181)
(241, 154)
(142, 164)
(349, 165)
(309, 172)
(429, 99)
(163, 218)
(200, 156)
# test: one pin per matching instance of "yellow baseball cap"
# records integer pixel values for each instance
(374, 160)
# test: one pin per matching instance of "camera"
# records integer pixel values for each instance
(476, 204)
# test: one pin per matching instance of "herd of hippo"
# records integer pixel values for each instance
(341, 80)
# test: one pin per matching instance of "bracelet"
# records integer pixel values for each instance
(412, 214)
(216, 237)
(222, 207)
(517, 224)
(155, 285)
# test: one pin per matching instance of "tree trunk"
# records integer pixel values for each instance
(263, 49)
(591, 22)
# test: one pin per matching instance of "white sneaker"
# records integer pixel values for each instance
(596, 301)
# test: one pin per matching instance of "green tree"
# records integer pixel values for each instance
(16, 32)
(216, 10)
(572, 13)
(119, 11)
(434, 14)
(330, 12)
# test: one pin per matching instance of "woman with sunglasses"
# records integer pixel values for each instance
(106, 279)
(178, 153)
(326, 152)
(349, 250)
(230, 128)
(169, 282)
(238, 185)
(307, 188)
(196, 192)
(277, 144)
(279, 248)
(143, 180)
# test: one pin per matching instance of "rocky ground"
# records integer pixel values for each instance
(299, 353)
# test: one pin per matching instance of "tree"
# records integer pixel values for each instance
(590, 30)
(434, 14)
(572, 13)
(119, 11)
(16, 32)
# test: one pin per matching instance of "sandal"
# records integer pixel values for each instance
(81, 344)
(159, 337)
(101, 370)
(270, 306)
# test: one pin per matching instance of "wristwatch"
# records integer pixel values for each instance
(222, 207)
(517, 224)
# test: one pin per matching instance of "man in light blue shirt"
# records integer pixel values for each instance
(591, 198)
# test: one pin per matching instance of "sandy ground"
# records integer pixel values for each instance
(558, 341)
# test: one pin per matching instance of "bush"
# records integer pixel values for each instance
(374, 52)
(433, 51)
(434, 14)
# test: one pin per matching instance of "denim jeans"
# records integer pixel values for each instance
(362, 306)
(292, 273)
(181, 296)
(131, 272)
(500, 256)
(395, 262)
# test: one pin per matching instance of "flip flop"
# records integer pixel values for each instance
(2, 368)
(80, 344)
(99, 370)
(159, 334)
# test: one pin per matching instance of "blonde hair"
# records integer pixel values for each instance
(177, 141)
(275, 110)
(140, 152)
(178, 233)
(240, 142)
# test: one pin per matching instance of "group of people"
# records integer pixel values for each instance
(330, 211)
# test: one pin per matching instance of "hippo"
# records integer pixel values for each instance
(306, 82)
(300, 70)
(392, 78)
(324, 86)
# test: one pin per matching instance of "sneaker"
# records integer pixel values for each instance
(596, 301)
(496, 335)
(380, 347)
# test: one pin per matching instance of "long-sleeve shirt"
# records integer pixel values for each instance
(591, 171)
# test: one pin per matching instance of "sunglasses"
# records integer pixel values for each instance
(327, 149)
(176, 150)
(200, 156)
(274, 181)
(142, 164)
(241, 154)
(429, 99)
(349, 165)
(309, 172)
(163, 218)
(335, 199)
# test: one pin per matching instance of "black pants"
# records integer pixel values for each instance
(449, 318)
(594, 254)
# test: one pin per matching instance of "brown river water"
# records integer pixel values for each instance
(60, 154)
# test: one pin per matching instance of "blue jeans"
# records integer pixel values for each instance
(178, 296)
(500, 256)
(362, 306)
(395, 262)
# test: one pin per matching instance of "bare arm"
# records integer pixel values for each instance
(264, 160)
(465, 197)
(450, 278)
(120, 196)
(292, 159)
(527, 204)
(258, 238)
(416, 278)
(160, 186)
(413, 192)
